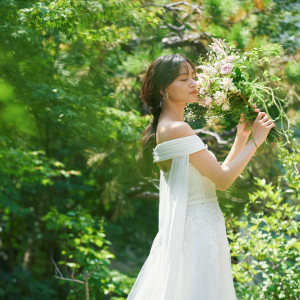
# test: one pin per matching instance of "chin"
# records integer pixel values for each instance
(192, 99)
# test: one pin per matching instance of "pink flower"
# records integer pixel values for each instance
(226, 69)
(206, 101)
(230, 59)
(217, 46)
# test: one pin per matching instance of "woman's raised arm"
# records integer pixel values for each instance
(224, 175)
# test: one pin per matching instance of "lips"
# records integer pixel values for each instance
(193, 92)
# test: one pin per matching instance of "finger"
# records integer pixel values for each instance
(242, 118)
(268, 122)
(260, 115)
(271, 125)
(265, 118)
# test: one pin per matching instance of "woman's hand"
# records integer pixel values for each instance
(243, 127)
(261, 127)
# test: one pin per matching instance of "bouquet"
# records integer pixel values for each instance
(225, 87)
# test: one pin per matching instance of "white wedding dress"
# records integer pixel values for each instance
(190, 257)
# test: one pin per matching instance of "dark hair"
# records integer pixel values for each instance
(160, 74)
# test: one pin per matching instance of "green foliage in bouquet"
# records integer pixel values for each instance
(226, 87)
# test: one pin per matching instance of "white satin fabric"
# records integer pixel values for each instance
(189, 257)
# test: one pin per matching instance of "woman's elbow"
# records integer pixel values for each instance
(222, 187)
(223, 182)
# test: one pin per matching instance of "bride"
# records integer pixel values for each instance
(190, 256)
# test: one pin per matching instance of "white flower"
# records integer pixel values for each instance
(201, 91)
(210, 70)
(217, 64)
(208, 101)
(201, 102)
(227, 84)
(234, 89)
(203, 82)
(201, 67)
(220, 97)
(190, 116)
(225, 106)
(202, 79)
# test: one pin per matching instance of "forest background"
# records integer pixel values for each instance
(77, 217)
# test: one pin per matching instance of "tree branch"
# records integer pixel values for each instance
(61, 276)
(86, 277)
(215, 135)
(56, 267)
(69, 279)
(175, 28)
(144, 195)
(191, 40)
(172, 6)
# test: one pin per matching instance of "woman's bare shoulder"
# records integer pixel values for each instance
(169, 130)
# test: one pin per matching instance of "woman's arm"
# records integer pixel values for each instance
(224, 176)
(242, 135)
(237, 147)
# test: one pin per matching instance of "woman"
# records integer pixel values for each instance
(190, 257)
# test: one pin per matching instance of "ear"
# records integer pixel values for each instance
(162, 91)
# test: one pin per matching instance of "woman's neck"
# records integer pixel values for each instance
(173, 111)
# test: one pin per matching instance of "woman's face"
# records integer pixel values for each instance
(184, 87)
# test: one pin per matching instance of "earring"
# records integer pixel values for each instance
(166, 96)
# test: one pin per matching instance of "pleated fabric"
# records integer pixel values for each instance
(158, 277)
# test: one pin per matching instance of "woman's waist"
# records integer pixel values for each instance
(201, 199)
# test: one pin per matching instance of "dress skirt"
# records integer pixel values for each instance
(205, 265)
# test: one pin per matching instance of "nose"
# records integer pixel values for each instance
(193, 82)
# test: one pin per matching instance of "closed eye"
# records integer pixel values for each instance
(194, 78)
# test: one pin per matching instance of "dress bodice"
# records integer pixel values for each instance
(199, 186)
